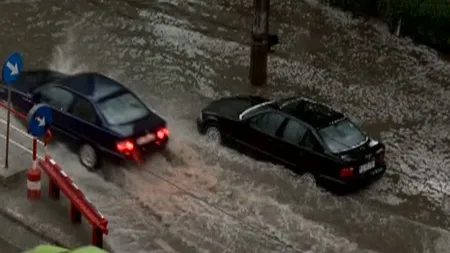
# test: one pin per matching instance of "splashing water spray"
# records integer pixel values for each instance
(65, 56)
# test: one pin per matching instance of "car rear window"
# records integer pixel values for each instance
(123, 109)
(342, 136)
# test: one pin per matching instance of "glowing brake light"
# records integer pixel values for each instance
(125, 146)
(162, 133)
(346, 172)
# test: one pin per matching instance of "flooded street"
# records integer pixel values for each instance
(179, 54)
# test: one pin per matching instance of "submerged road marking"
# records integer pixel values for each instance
(20, 146)
(20, 130)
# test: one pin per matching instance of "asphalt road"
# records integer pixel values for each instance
(178, 55)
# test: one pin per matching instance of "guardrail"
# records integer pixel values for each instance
(19, 114)
(79, 204)
(60, 182)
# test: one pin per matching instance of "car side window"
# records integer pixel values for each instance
(57, 97)
(268, 122)
(256, 120)
(311, 142)
(294, 132)
(83, 109)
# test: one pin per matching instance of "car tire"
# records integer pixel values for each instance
(89, 157)
(309, 179)
(213, 134)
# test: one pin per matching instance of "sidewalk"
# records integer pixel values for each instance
(41, 221)
(133, 228)
(44, 220)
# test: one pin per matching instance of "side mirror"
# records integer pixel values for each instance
(272, 41)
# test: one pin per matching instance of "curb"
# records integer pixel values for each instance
(14, 217)
(12, 177)
(42, 233)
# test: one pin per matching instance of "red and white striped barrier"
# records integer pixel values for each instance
(34, 176)
(34, 184)
(34, 173)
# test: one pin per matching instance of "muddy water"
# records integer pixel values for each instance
(177, 55)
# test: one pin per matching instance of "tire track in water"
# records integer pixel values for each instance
(203, 213)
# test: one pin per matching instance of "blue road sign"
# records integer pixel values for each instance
(40, 119)
(11, 68)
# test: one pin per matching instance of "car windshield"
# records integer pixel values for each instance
(122, 109)
(342, 136)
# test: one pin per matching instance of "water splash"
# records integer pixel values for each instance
(66, 57)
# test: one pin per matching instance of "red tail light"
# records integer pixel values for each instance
(162, 133)
(125, 146)
(346, 172)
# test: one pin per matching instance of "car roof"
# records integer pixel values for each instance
(38, 77)
(92, 85)
(42, 75)
(311, 112)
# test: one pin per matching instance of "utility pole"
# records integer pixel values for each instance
(260, 46)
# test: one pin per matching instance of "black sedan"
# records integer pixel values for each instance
(98, 114)
(297, 132)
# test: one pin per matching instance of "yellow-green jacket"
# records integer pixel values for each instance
(56, 249)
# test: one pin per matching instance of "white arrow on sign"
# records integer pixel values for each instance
(41, 121)
(14, 68)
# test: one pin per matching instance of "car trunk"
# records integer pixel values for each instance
(364, 157)
(141, 135)
(149, 124)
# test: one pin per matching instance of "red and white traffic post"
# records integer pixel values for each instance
(34, 173)
(48, 136)
(34, 176)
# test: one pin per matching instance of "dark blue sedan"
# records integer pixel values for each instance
(97, 113)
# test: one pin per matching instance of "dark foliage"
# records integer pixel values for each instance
(426, 21)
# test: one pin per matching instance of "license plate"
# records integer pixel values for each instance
(367, 166)
(145, 139)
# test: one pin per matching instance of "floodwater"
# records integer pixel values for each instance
(178, 55)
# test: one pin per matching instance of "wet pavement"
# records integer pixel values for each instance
(26, 224)
(177, 55)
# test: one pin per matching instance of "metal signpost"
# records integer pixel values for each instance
(39, 118)
(10, 73)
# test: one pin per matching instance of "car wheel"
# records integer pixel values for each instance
(89, 157)
(213, 134)
(309, 179)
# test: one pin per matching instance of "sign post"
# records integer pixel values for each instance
(10, 73)
(260, 46)
(39, 118)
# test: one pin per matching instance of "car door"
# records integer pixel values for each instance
(261, 133)
(314, 157)
(85, 123)
(292, 153)
(60, 100)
